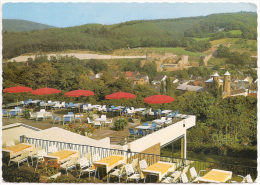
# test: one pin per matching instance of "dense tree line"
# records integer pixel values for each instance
(212, 24)
(220, 122)
(151, 33)
(234, 58)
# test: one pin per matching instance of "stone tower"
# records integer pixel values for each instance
(227, 83)
(216, 77)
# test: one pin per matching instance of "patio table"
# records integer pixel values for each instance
(216, 176)
(118, 108)
(16, 110)
(18, 149)
(160, 168)
(34, 101)
(47, 115)
(95, 106)
(101, 119)
(158, 121)
(51, 103)
(143, 127)
(166, 111)
(62, 155)
(110, 162)
(69, 116)
(182, 116)
(140, 109)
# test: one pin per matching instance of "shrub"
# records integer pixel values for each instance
(48, 168)
(13, 174)
(66, 179)
(26, 113)
(120, 123)
(79, 128)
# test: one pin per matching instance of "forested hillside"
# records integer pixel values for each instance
(147, 33)
(15, 25)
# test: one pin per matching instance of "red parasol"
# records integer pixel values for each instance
(45, 91)
(17, 89)
(78, 93)
(158, 99)
(120, 95)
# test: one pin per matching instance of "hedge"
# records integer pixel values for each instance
(234, 151)
(13, 174)
(65, 179)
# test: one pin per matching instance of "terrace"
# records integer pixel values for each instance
(107, 142)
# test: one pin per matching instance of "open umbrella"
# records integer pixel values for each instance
(17, 89)
(78, 93)
(120, 95)
(45, 91)
(158, 99)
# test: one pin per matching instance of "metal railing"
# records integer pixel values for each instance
(150, 158)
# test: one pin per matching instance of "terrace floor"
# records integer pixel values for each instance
(98, 134)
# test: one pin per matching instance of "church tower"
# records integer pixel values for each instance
(216, 77)
(227, 83)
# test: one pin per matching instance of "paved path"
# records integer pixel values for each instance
(80, 56)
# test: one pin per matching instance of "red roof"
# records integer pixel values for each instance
(196, 83)
(128, 73)
(252, 94)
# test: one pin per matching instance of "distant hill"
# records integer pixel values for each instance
(178, 32)
(16, 25)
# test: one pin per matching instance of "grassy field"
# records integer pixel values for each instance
(211, 158)
(142, 51)
(202, 39)
(235, 32)
(177, 51)
(224, 41)
(217, 61)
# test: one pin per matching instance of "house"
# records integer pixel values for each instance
(252, 91)
(238, 92)
(158, 79)
(209, 82)
(141, 79)
(95, 76)
(184, 87)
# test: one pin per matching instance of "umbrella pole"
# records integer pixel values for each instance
(120, 108)
(17, 102)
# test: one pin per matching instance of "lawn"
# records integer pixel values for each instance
(224, 41)
(211, 158)
(202, 39)
(235, 32)
(217, 61)
(177, 51)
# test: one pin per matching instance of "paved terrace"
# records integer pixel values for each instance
(120, 139)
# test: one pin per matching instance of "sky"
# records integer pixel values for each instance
(69, 14)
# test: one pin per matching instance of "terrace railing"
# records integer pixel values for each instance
(150, 158)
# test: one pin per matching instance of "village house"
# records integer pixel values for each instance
(158, 79)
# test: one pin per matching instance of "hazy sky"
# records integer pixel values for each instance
(73, 14)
